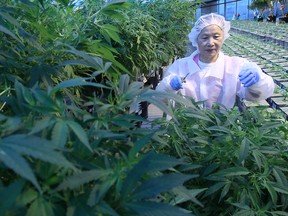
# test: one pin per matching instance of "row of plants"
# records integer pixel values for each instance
(267, 30)
(272, 60)
(267, 55)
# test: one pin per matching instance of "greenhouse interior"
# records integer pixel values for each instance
(144, 107)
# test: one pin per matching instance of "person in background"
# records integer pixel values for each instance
(261, 17)
(277, 9)
(285, 10)
(238, 16)
(284, 18)
(209, 76)
(271, 17)
(266, 13)
(255, 14)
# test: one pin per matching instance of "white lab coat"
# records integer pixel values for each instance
(218, 82)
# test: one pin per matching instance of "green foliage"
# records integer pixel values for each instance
(153, 33)
(140, 42)
(39, 40)
(98, 157)
(68, 141)
(42, 41)
(241, 157)
(260, 4)
(175, 19)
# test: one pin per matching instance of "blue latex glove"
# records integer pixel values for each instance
(249, 76)
(176, 83)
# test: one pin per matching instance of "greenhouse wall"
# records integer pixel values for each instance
(227, 8)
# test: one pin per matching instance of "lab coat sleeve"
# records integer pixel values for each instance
(164, 84)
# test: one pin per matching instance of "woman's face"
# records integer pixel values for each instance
(210, 41)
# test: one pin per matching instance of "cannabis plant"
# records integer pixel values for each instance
(241, 158)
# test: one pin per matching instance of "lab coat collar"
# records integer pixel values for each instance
(217, 70)
(193, 66)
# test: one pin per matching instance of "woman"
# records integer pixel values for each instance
(210, 76)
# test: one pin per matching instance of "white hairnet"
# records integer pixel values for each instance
(206, 20)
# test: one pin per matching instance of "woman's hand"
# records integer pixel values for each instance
(249, 74)
(176, 83)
